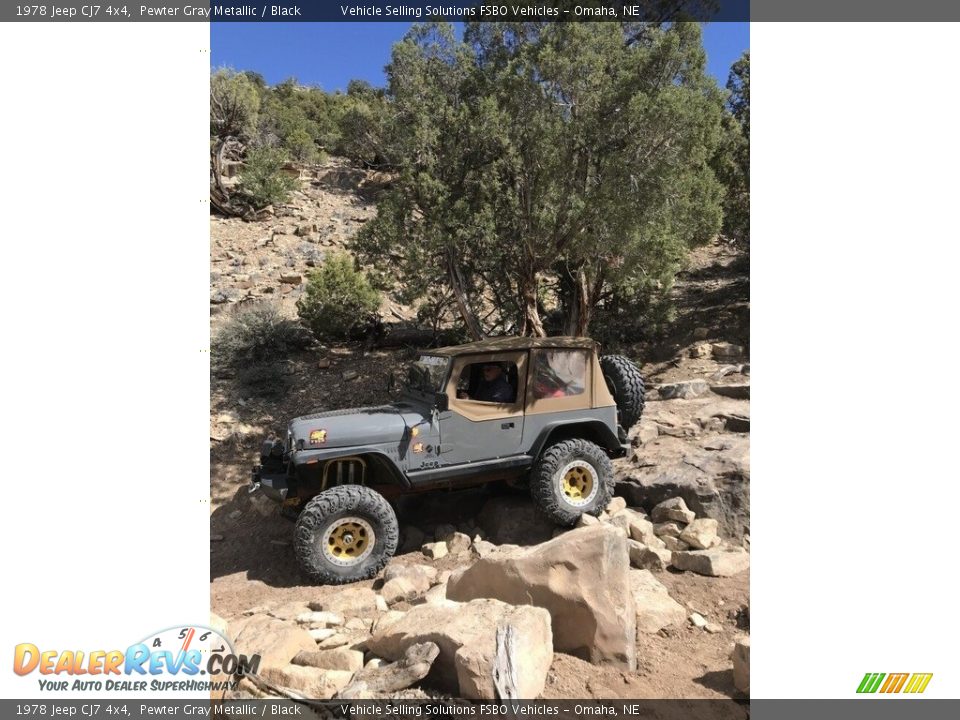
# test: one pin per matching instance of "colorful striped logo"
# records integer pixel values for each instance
(894, 682)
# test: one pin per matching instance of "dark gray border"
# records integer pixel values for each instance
(330, 10)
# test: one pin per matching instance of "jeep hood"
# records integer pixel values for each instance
(344, 428)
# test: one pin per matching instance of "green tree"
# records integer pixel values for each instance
(234, 104)
(338, 299)
(546, 164)
(263, 180)
(732, 160)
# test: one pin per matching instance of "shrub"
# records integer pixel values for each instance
(263, 180)
(338, 299)
(254, 342)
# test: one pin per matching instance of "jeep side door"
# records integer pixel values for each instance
(473, 430)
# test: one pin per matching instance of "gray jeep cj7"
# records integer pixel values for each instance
(549, 412)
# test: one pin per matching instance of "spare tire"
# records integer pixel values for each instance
(626, 384)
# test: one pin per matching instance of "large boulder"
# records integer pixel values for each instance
(514, 520)
(275, 641)
(312, 682)
(655, 608)
(711, 474)
(581, 577)
(466, 635)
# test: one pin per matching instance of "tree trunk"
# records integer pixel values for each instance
(532, 323)
(456, 284)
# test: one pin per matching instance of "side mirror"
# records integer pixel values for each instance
(441, 402)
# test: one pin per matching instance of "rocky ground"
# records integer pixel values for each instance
(667, 604)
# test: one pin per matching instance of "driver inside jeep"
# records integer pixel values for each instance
(493, 386)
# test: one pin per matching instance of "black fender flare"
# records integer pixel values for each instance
(596, 431)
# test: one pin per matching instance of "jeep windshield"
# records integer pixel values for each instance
(427, 374)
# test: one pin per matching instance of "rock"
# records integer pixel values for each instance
(351, 602)
(644, 557)
(740, 391)
(683, 390)
(380, 677)
(395, 570)
(413, 539)
(458, 542)
(263, 505)
(404, 587)
(436, 594)
(645, 432)
(435, 550)
(320, 618)
(698, 620)
(339, 659)
(387, 619)
(323, 363)
(587, 520)
(309, 681)
(722, 561)
(701, 333)
(482, 548)
(641, 530)
(726, 351)
(713, 628)
(304, 230)
(581, 578)
(741, 665)
(288, 611)
(465, 636)
(346, 637)
(291, 278)
(616, 505)
(320, 634)
(350, 375)
(674, 544)
(712, 476)
(700, 534)
(358, 624)
(655, 608)
(216, 538)
(235, 514)
(701, 351)
(734, 423)
(621, 523)
(514, 520)
(381, 603)
(672, 509)
(667, 529)
(276, 642)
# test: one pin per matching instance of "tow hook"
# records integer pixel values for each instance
(253, 488)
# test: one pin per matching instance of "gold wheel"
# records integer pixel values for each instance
(578, 483)
(348, 541)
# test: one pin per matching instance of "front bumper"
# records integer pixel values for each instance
(273, 485)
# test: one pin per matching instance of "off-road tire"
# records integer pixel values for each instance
(323, 511)
(546, 480)
(626, 384)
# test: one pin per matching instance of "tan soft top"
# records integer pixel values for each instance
(492, 345)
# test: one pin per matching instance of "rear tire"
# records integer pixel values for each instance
(571, 478)
(345, 534)
(626, 384)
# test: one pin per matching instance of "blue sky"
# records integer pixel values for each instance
(332, 54)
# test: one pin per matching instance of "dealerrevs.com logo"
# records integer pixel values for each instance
(182, 659)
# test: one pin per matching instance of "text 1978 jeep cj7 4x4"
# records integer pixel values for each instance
(547, 411)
